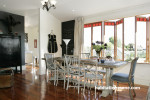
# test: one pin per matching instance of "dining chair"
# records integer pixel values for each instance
(74, 71)
(148, 93)
(127, 78)
(85, 55)
(50, 68)
(99, 69)
(93, 76)
(61, 72)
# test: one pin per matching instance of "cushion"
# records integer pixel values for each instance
(120, 77)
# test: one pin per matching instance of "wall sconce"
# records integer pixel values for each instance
(48, 4)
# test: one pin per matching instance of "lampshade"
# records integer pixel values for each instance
(66, 41)
(53, 2)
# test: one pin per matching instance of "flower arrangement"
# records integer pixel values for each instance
(98, 46)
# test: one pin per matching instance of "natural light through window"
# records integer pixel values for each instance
(119, 42)
(109, 39)
(129, 38)
(87, 40)
(141, 41)
(96, 36)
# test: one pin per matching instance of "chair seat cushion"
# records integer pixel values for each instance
(120, 77)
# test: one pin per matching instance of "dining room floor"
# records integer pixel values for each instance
(31, 86)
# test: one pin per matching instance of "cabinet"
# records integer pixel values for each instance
(10, 51)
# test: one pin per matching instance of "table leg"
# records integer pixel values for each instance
(106, 92)
(111, 82)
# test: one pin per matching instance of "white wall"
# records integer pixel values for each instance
(120, 13)
(32, 28)
(47, 23)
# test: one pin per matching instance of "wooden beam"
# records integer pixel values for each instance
(91, 39)
(115, 42)
(123, 40)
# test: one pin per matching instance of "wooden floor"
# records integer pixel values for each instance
(28, 86)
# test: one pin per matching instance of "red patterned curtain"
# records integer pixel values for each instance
(93, 24)
(141, 19)
(109, 23)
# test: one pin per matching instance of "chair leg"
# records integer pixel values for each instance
(133, 88)
(84, 84)
(79, 85)
(95, 88)
(90, 84)
(67, 84)
(64, 80)
(102, 82)
(57, 78)
(47, 73)
(130, 91)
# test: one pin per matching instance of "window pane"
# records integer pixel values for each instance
(129, 38)
(141, 41)
(96, 36)
(119, 42)
(87, 40)
(109, 39)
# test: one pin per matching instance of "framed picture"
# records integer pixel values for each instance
(35, 43)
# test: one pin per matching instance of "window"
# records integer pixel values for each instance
(109, 38)
(141, 39)
(87, 40)
(92, 33)
(129, 38)
(96, 36)
(119, 25)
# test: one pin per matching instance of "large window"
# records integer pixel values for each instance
(92, 33)
(119, 33)
(96, 36)
(141, 39)
(129, 38)
(87, 40)
(126, 38)
(109, 38)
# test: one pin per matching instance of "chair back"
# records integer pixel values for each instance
(72, 64)
(85, 55)
(132, 69)
(49, 59)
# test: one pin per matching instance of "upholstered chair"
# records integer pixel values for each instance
(127, 78)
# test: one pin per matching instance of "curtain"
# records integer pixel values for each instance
(78, 35)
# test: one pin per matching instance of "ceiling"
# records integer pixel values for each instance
(69, 9)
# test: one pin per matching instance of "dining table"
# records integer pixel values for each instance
(108, 65)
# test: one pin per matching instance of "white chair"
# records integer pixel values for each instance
(99, 69)
(85, 55)
(50, 68)
(74, 71)
(61, 72)
(92, 76)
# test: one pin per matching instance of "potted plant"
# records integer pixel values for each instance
(99, 46)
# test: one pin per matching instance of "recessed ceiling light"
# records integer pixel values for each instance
(73, 10)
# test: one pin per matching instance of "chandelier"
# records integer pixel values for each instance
(48, 4)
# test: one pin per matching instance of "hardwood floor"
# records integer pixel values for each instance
(28, 86)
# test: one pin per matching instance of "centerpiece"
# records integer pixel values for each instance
(99, 46)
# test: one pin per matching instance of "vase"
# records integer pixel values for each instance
(98, 53)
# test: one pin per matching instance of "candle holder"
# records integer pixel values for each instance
(66, 42)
